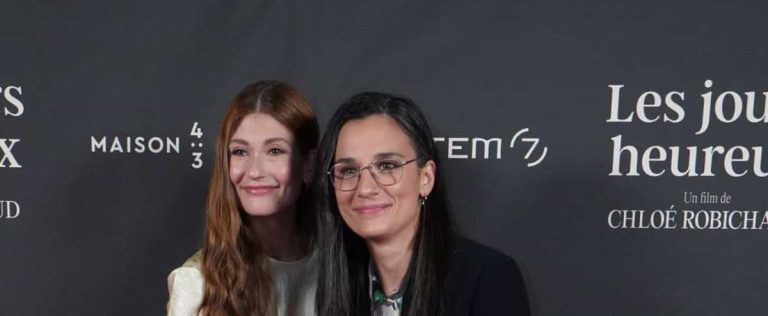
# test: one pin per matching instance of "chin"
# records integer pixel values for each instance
(259, 213)
(369, 231)
(261, 209)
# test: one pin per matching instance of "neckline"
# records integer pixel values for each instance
(291, 263)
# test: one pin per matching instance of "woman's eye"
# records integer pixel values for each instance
(347, 172)
(238, 152)
(275, 151)
(385, 165)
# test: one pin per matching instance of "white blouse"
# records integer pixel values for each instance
(294, 285)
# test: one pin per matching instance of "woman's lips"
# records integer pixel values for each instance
(371, 208)
(258, 189)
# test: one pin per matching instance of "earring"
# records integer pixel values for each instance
(424, 200)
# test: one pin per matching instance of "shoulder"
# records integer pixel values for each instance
(486, 280)
(472, 257)
(188, 273)
(194, 260)
(465, 246)
(185, 287)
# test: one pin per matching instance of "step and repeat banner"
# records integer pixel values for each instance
(616, 149)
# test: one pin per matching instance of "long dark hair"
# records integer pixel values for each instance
(234, 264)
(343, 276)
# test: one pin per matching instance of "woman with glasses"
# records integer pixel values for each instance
(388, 244)
(257, 256)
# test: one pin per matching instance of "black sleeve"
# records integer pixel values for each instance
(500, 290)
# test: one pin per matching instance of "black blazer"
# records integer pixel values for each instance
(481, 281)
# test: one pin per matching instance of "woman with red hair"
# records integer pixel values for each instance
(258, 255)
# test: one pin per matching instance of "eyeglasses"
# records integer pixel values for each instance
(346, 176)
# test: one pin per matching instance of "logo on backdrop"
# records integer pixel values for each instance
(492, 148)
(12, 107)
(701, 210)
(157, 145)
(652, 107)
(9, 209)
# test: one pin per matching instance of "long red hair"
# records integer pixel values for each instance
(234, 266)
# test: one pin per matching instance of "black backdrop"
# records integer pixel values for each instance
(90, 226)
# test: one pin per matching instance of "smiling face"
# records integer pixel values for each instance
(264, 165)
(373, 211)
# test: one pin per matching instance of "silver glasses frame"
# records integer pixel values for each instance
(371, 169)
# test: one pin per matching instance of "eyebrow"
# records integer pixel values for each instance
(387, 155)
(378, 156)
(237, 141)
(267, 141)
(277, 140)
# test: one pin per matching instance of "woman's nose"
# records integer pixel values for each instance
(367, 184)
(255, 167)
